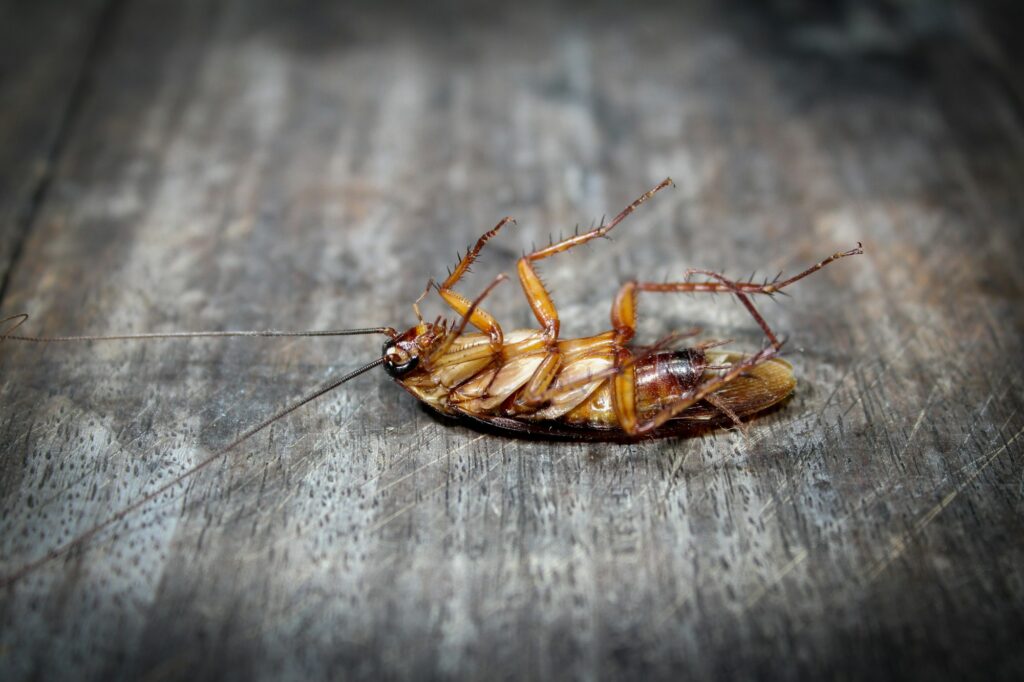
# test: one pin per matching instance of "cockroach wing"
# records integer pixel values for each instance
(755, 391)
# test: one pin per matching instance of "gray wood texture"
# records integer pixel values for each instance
(261, 164)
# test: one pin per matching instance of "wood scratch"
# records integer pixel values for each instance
(443, 455)
(762, 590)
(676, 466)
(403, 454)
(898, 545)
(884, 369)
(918, 422)
(768, 510)
(409, 507)
(887, 485)
(373, 528)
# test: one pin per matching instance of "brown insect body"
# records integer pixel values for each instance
(473, 380)
(598, 387)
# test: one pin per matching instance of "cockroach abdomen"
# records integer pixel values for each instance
(662, 377)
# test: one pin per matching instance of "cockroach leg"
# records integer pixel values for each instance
(467, 318)
(532, 395)
(722, 407)
(600, 230)
(623, 318)
(416, 303)
(624, 308)
(769, 288)
(856, 251)
(536, 293)
(540, 300)
(479, 318)
(471, 255)
(624, 391)
(741, 289)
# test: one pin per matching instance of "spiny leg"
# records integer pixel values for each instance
(749, 305)
(544, 308)
(741, 289)
(772, 287)
(467, 318)
(478, 317)
(624, 308)
(471, 255)
(536, 293)
(724, 408)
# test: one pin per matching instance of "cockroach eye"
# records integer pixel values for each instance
(397, 362)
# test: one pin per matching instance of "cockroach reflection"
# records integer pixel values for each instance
(534, 382)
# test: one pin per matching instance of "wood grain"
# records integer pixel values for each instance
(267, 164)
(45, 56)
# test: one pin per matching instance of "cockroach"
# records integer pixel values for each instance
(534, 382)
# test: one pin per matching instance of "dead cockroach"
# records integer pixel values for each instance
(535, 383)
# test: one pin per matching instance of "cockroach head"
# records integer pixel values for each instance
(402, 354)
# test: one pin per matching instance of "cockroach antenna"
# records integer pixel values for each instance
(20, 319)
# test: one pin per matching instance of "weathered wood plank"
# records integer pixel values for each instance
(250, 165)
(46, 50)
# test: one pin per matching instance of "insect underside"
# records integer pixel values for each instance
(600, 387)
(472, 380)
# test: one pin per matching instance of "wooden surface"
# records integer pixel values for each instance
(255, 164)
